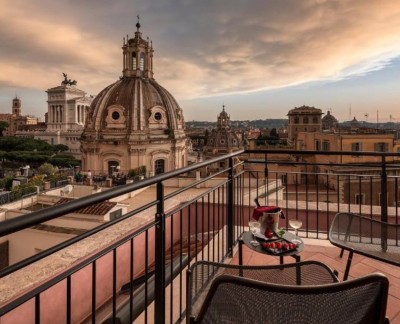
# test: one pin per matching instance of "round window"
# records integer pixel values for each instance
(157, 116)
(222, 141)
(115, 115)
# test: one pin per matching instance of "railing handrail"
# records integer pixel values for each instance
(346, 153)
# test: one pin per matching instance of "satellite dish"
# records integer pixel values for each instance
(67, 189)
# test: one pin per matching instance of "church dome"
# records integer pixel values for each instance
(329, 121)
(134, 122)
(135, 105)
(222, 139)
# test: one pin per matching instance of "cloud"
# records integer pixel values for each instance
(202, 48)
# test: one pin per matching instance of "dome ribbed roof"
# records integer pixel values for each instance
(135, 98)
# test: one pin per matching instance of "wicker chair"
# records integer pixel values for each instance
(365, 236)
(233, 299)
(202, 273)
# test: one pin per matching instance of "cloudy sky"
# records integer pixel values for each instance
(259, 58)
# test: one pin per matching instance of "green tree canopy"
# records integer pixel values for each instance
(3, 126)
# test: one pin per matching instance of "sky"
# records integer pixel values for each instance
(258, 58)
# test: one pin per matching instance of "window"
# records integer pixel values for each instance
(318, 145)
(356, 147)
(381, 147)
(141, 63)
(133, 61)
(296, 120)
(326, 146)
(305, 120)
(115, 115)
(157, 116)
(284, 179)
(315, 120)
(159, 166)
(360, 199)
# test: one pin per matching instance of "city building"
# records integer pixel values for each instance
(134, 122)
(222, 139)
(303, 119)
(67, 107)
(16, 120)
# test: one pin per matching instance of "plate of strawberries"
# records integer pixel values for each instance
(279, 246)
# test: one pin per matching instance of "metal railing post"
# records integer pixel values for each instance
(384, 200)
(159, 280)
(384, 205)
(231, 213)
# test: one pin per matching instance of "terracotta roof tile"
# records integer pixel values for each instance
(100, 208)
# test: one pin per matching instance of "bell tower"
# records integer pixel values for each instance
(224, 120)
(16, 106)
(137, 56)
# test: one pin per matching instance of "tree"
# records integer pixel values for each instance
(273, 133)
(3, 126)
(47, 168)
(61, 148)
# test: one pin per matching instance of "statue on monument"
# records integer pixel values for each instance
(67, 81)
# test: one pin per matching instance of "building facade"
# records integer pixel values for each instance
(16, 120)
(134, 122)
(67, 107)
(303, 119)
(222, 139)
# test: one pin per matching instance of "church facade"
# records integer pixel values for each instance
(134, 122)
(222, 139)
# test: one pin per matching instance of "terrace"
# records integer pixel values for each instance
(132, 268)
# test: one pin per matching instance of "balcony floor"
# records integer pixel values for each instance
(323, 251)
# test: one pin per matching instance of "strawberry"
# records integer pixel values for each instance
(278, 245)
(285, 246)
(269, 234)
(272, 245)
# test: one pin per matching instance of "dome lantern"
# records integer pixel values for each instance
(137, 56)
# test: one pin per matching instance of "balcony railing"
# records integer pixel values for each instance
(138, 272)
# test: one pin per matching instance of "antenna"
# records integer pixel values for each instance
(350, 112)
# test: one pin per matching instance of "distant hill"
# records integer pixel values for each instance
(258, 123)
(388, 125)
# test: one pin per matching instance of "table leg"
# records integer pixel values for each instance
(240, 251)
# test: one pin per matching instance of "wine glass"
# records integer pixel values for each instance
(254, 227)
(296, 224)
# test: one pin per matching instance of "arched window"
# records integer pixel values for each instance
(134, 61)
(305, 120)
(141, 61)
(159, 166)
(112, 168)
